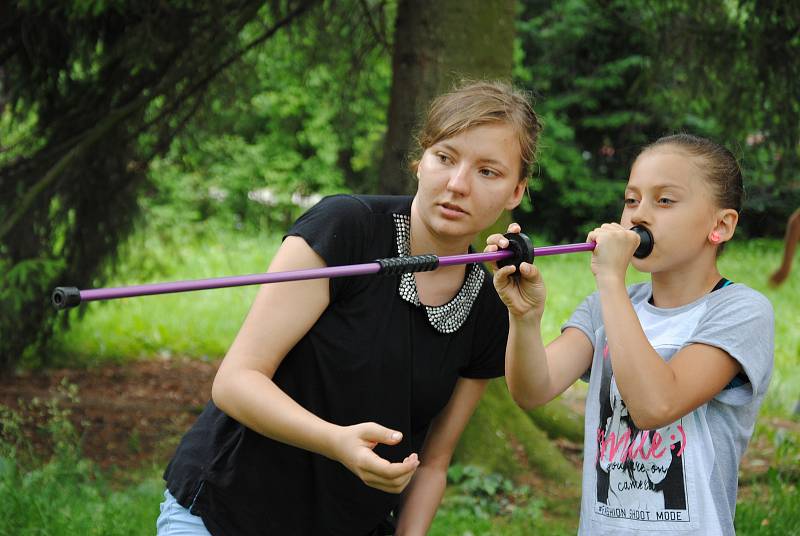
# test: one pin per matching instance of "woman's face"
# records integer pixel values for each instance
(466, 181)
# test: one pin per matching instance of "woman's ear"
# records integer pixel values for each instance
(516, 196)
(726, 225)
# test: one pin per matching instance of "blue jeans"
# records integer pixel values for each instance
(175, 520)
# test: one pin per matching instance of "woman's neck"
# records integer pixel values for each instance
(424, 241)
(440, 286)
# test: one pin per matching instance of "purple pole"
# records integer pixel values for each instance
(64, 297)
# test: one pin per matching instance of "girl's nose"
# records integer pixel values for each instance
(640, 214)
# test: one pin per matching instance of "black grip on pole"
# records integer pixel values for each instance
(646, 241)
(65, 297)
(522, 247)
(403, 265)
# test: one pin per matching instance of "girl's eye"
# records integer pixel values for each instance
(665, 201)
(488, 172)
(443, 158)
(630, 202)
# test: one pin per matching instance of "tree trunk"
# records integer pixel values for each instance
(501, 438)
(435, 45)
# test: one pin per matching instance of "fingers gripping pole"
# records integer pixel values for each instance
(521, 247)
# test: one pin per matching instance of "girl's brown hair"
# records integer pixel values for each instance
(480, 103)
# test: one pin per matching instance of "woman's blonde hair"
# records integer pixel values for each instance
(472, 104)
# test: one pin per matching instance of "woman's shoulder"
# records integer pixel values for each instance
(366, 204)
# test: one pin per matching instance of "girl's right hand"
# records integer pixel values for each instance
(353, 448)
(521, 295)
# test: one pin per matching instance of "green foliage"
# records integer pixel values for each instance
(611, 77)
(119, 330)
(478, 502)
(587, 62)
(300, 115)
(95, 92)
(60, 492)
(773, 509)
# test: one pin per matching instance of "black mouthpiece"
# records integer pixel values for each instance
(646, 241)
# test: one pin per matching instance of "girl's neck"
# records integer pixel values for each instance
(682, 286)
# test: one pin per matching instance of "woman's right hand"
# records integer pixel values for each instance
(353, 448)
(524, 294)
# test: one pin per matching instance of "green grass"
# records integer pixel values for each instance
(198, 324)
(203, 324)
(62, 493)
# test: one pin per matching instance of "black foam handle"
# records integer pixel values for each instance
(522, 247)
(65, 297)
(402, 265)
(646, 241)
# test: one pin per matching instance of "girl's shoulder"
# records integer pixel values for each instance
(740, 297)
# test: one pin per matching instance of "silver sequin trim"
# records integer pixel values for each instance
(445, 318)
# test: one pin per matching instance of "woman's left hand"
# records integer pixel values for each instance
(614, 250)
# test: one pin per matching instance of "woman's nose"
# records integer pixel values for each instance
(459, 180)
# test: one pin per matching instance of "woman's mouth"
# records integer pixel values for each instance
(453, 211)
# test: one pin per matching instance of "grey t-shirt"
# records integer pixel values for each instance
(683, 477)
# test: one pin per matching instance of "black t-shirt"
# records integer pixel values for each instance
(375, 354)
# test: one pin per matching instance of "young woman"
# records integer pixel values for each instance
(677, 368)
(340, 402)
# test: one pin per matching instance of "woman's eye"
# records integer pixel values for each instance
(443, 158)
(488, 172)
(665, 201)
(631, 202)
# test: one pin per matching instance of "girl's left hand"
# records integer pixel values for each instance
(614, 250)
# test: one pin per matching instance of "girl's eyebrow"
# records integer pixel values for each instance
(658, 187)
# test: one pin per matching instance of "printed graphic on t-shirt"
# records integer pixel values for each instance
(640, 473)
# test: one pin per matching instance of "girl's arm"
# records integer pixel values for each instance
(243, 388)
(535, 374)
(656, 392)
(423, 495)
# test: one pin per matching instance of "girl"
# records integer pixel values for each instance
(677, 368)
(341, 400)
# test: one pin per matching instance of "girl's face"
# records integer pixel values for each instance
(466, 181)
(668, 193)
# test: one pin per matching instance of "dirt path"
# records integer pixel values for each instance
(132, 415)
(129, 415)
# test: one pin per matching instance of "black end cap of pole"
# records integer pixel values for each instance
(646, 241)
(521, 246)
(65, 297)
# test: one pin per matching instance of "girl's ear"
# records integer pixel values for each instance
(516, 196)
(726, 225)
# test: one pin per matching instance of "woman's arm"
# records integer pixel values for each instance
(243, 388)
(423, 495)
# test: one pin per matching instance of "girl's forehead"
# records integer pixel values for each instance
(664, 168)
